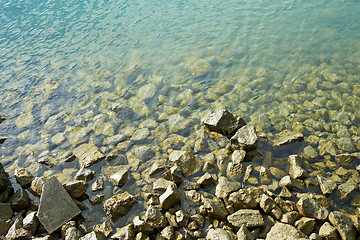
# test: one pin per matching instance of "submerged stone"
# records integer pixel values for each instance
(88, 154)
(287, 137)
(56, 206)
(245, 138)
(188, 163)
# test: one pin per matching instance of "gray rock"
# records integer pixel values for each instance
(215, 207)
(56, 206)
(188, 163)
(327, 186)
(327, 231)
(119, 205)
(224, 122)
(244, 234)
(290, 217)
(76, 188)
(31, 222)
(141, 226)
(170, 197)
(98, 184)
(249, 197)
(296, 171)
(20, 199)
(36, 186)
(161, 184)
(220, 234)
(125, 233)
(88, 154)
(247, 217)
(284, 232)
(308, 206)
(305, 224)
(23, 177)
(291, 183)
(345, 143)
(225, 187)
(206, 180)
(155, 218)
(343, 224)
(94, 236)
(245, 138)
(168, 233)
(287, 137)
(6, 211)
(140, 134)
(347, 189)
(72, 233)
(84, 174)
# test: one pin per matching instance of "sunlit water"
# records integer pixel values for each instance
(67, 65)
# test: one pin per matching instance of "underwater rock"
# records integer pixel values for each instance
(287, 137)
(188, 163)
(245, 138)
(327, 186)
(88, 154)
(170, 197)
(23, 177)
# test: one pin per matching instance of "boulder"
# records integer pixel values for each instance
(88, 154)
(247, 217)
(287, 137)
(220, 234)
(188, 163)
(224, 122)
(284, 232)
(170, 197)
(245, 138)
(343, 223)
(119, 205)
(308, 206)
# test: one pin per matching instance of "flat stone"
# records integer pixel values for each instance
(23, 177)
(170, 197)
(225, 187)
(224, 122)
(220, 234)
(343, 224)
(327, 186)
(56, 206)
(245, 138)
(284, 232)
(88, 154)
(188, 163)
(247, 217)
(119, 205)
(287, 137)
(308, 206)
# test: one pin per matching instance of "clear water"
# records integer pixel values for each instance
(269, 61)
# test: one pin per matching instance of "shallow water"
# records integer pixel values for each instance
(69, 67)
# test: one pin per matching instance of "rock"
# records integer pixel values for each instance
(308, 206)
(176, 174)
(104, 228)
(314, 236)
(345, 158)
(182, 218)
(249, 197)
(327, 186)
(176, 123)
(170, 197)
(247, 217)
(17, 232)
(56, 206)
(4, 179)
(161, 184)
(188, 163)
(93, 236)
(98, 185)
(206, 180)
(119, 205)
(220, 234)
(84, 174)
(6, 211)
(141, 225)
(343, 224)
(23, 177)
(309, 152)
(287, 137)
(97, 199)
(147, 91)
(31, 222)
(224, 122)
(114, 140)
(285, 193)
(155, 218)
(265, 175)
(269, 206)
(290, 217)
(215, 207)
(245, 138)
(36, 186)
(168, 233)
(225, 187)
(327, 231)
(72, 233)
(238, 156)
(125, 233)
(88, 154)
(140, 134)
(346, 189)
(305, 224)
(296, 171)
(291, 183)
(120, 177)
(76, 188)
(244, 234)
(20, 200)
(345, 144)
(284, 232)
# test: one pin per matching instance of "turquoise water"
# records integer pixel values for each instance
(66, 64)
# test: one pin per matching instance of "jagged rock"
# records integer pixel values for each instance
(296, 171)
(343, 224)
(238, 156)
(346, 189)
(88, 154)
(104, 228)
(4, 179)
(206, 180)
(291, 183)
(244, 234)
(290, 217)
(72, 233)
(36, 186)
(141, 225)
(188, 163)
(215, 208)
(182, 218)
(345, 158)
(17, 232)
(284, 232)
(23, 177)
(220, 234)
(224, 122)
(124, 233)
(31, 222)
(98, 185)
(119, 205)
(84, 174)
(20, 200)
(76, 188)
(327, 186)
(168, 233)
(170, 197)
(265, 175)
(247, 217)
(188, 185)
(285, 193)
(245, 138)
(308, 206)
(225, 187)
(155, 218)
(305, 224)
(287, 137)
(249, 197)
(56, 206)
(327, 231)
(269, 206)
(176, 174)
(97, 199)
(161, 184)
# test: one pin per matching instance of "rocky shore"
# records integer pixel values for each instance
(190, 198)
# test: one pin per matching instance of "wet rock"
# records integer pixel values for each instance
(327, 231)
(291, 183)
(125, 233)
(343, 224)
(305, 224)
(31, 222)
(167, 233)
(276, 172)
(224, 122)
(269, 206)
(345, 158)
(84, 174)
(182, 218)
(188, 185)
(161, 184)
(309, 206)
(104, 228)
(170, 197)
(244, 234)
(36, 186)
(56, 206)
(188, 163)
(285, 232)
(76, 188)
(119, 205)
(4, 179)
(249, 197)
(141, 226)
(119, 177)
(238, 156)
(327, 186)
(247, 217)
(245, 138)
(345, 144)
(6, 211)
(225, 187)
(206, 180)
(287, 137)
(98, 185)
(346, 189)
(72, 233)
(265, 175)
(296, 171)
(309, 152)
(97, 199)
(156, 168)
(285, 193)
(215, 207)
(113, 140)
(235, 170)
(88, 154)
(220, 234)
(176, 174)
(155, 218)
(23, 177)
(290, 217)
(17, 232)
(140, 134)
(20, 200)
(176, 123)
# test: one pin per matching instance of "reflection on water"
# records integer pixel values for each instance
(137, 78)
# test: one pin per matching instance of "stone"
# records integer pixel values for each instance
(20, 200)
(31, 222)
(327, 186)
(188, 163)
(314, 236)
(161, 184)
(23, 177)
(120, 177)
(168, 233)
(170, 197)
(176, 123)
(238, 156)
(267, 203)
(98, 184)
(245, 138)
(84, 174)
(224, 122)
(155, 218)
(76, 188)
(104, 228)
(327, 231)
(310, 153)
(16, 231)
(147, 91)
(114, 140)
(36, 186)
(305, 224)
(225, 187)
(265, 175)
(347, 189)
(206, 180)
(291, 183)
(220, 234)
(56, 206)
(345, 144)
(215, 207)
(244, 234)
(290, 217)
(140, 134)
(141, 226)
(343, 224)
(296, 171)
(4, 179)
(345, 159)
(247, 217)
(249, 197)
(176, 174)
(287, 137)
(6, 211)
(284, 232)
(182, 218)
(309, 207)
(124, 233)
(97, 199)
(66, 226)
(119, 205)
(285, 193)
(93, 236)
(72, 233)
(88, 154)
